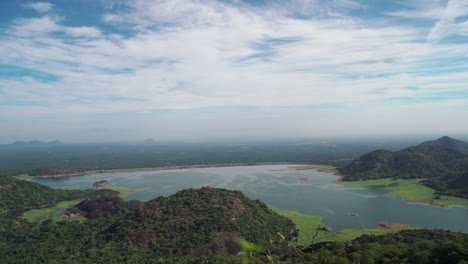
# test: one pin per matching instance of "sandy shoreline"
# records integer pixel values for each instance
(175, 168)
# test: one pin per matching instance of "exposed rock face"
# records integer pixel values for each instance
(195, 222)
(97, 207)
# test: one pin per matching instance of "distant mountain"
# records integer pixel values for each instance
(36, 143)
(444, 169)
(448, 142)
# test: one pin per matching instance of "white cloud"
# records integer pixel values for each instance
(46, 25)
(198, 54)
(447, 24)
(41, 7)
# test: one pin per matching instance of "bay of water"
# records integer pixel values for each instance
(278, 186)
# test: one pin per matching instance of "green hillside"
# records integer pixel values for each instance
(441, 168)
(20, 195)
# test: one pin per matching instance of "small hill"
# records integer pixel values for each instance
(410, 163)
(448, 142)
(195, 222)
(19, 195)
(443, 168)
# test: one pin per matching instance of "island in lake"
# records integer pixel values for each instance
(102, 183)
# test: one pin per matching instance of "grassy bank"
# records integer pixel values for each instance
(53, 213)
(410, 190)
(23, 177)
(307, 225)
(350, 234)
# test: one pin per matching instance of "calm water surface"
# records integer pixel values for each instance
(279, 187)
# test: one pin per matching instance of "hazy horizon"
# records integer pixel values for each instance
(113, 70)
(299, 140)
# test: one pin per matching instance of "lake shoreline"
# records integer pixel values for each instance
(199, 166)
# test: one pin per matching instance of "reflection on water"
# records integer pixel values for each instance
(279, 187)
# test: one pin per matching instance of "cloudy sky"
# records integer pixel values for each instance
(93, 70)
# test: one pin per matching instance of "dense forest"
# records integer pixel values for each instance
(204, 225)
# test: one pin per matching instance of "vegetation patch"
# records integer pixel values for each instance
(319, 168)
(23, 177)
(411, 190)
(311, 228)
(124, 191)
(53, 213)
(67, 187)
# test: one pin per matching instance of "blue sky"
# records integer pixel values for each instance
(92, 70)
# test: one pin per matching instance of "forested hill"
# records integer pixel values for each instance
(448, 142)
(195, 222)
(18, 195)
(410, 163)
(444, 169)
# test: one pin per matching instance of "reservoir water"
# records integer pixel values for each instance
(278, 186)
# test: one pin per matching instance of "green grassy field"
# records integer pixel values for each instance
(124, 191)
(410, 190)
(53, 213)
(307, 225)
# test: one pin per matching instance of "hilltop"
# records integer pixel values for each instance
(196, 222)
(448, 142)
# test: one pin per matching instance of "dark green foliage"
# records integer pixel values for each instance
(443, 168)
(410, 246)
